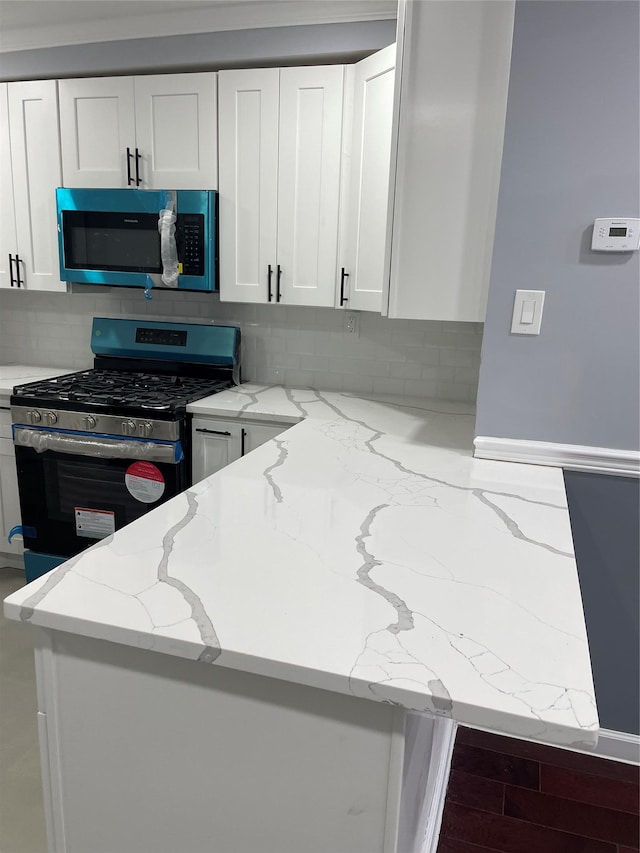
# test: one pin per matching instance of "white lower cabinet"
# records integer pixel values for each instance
(9, 500)
(216, 443)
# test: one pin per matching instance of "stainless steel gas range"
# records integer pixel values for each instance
(99, 448)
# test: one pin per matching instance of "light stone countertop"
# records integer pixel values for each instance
(363, 551)
(20, 374)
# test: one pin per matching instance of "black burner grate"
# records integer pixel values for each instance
(125, 389)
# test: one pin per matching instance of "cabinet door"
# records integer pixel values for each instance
(367, 191)
(9, 500)
(215, 444)
(8, 241)
(96, 126)
(310, 144)
(248, 139)
(35, 161)
(257, 434)
(176, 131)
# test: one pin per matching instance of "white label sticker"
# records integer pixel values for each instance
(94, 523)
(145, 482)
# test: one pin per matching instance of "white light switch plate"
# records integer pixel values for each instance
(527, 312)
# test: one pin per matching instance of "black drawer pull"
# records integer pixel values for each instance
(213, 431)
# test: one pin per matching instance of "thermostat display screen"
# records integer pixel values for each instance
(617, 232)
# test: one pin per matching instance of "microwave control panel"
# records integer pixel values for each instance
(190, 243)
(616, 235)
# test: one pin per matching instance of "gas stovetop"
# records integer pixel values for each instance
(145, 373)
(118, 390)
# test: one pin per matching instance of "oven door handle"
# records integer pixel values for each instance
(97, 446)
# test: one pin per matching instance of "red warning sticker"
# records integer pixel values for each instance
(145, 482)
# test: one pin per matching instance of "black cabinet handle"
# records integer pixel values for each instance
(269, 274)
(138, 178)
(243, 434)
(343, 276)
(278, 275)
(129, 158)
(19, 281)
(213, 431)
(13, 281)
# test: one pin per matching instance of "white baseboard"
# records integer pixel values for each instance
(619, 746)
(574, 457)
(11, 561)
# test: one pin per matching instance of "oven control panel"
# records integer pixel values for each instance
(111, 425)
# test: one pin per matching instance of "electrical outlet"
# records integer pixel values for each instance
(351, 324)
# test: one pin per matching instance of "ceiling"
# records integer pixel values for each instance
(29, 24)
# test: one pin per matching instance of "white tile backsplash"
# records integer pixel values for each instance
(292, 346)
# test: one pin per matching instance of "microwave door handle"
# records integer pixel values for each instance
(129, 158)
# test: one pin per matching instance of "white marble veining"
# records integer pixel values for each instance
(363, 551)
(19, 374)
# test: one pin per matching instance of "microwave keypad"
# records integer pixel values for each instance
(190, 242)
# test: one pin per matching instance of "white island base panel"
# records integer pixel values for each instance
(152, 753)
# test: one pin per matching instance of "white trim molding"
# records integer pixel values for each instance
(48, 23)
(618, 746)
(574, 457)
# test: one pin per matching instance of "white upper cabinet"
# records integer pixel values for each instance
(365, 195)
(97, 126)
(177, 130)
(29, 174)
(280, 145)
(248, 192)
(450, 108)
(8, 240)
(154, 132)
(310, 145)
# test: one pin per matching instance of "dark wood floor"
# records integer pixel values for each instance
(511, 796)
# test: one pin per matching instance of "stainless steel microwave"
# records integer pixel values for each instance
(113, 237)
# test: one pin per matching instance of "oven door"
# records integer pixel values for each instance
(76, 488)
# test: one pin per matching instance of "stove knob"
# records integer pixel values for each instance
(34, 417)
(89, 421)
(145, 428)
(50, 418)
(128, 427)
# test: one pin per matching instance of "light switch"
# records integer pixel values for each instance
(527, 312)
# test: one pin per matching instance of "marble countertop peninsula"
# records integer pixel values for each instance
(19, 374)
(363, 551)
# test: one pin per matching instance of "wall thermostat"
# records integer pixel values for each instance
(616, 235)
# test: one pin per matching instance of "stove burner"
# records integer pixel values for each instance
(127, 389)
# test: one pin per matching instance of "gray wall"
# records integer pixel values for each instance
(604, 519)
(300, 45)
(570, 155)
